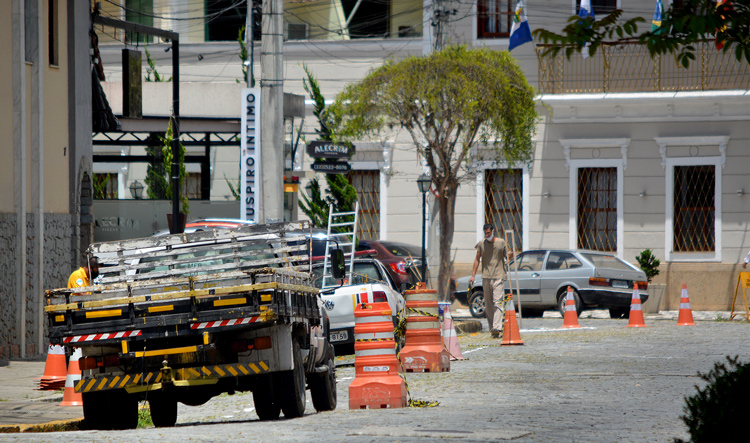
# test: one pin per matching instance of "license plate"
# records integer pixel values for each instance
(620, 284)
(339, 335)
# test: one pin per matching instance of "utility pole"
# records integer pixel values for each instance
(272, 121)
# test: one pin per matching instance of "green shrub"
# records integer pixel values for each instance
(648, 263)
(720, 411)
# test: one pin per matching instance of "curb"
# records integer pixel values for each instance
(53, 426)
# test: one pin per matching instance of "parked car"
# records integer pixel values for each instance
(599, 280)
(403, 261)
(369, 283)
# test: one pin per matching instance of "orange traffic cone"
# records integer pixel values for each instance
(450, 338)
(54, 369)
(686, 315)
(636, 310)
(70, 396)
(511, 333)
(570, 320)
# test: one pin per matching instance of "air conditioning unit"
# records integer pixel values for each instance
(296, 31)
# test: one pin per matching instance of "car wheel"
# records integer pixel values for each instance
(576, 299)
(476, 304)
(619, 312)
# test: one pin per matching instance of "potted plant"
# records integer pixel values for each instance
(650, 266)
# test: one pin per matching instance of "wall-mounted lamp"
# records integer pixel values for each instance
(642, 194)
(741, 191)
(136, 190)
(545, 195)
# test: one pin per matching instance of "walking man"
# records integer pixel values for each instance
(492, 252)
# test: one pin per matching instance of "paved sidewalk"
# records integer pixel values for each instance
(23, 408)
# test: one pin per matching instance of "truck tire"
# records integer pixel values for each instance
(94, 410)
(266, 406)
(323, 386)
(163, 410)
(292, 386)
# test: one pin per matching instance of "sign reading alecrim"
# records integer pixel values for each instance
(324, 149)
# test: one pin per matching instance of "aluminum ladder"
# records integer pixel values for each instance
(340, 228)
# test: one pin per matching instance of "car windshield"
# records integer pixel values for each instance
(402, 250)
(363, 273)
(607, 261)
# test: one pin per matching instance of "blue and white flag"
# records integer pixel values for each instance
(656, 21)
(585, 11)
(519, 32)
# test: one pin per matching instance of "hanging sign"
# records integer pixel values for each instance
(250, 155)
(324, 149)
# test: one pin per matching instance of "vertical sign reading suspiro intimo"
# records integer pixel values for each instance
(250, 155)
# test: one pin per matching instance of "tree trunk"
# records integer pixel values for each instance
(447, 201)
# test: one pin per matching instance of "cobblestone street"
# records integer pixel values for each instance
(603, 382)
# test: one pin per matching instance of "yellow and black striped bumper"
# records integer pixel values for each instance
(154, 380)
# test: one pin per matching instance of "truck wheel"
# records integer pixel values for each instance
(292, 386)
(125, 415)
(266, 406)
(323, 386)
(94, 410)
(163, 410)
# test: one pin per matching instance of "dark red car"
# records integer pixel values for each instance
(403, 261)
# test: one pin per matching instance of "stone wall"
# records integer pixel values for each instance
(57, 267)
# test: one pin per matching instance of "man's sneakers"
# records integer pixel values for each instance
(495, 333)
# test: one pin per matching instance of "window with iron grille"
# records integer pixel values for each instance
(597, 209)
(494, 18)
(105, 186)
(367, 184)
(601, 7)
(694, 208)
(503, 206)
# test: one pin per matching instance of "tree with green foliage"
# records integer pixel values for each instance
(683, 25)
(450, 102)
(341, 194)
(158, 177)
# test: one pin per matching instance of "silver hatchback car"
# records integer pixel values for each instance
(598, 279)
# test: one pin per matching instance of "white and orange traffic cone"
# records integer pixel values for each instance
(450, 338)
(570, 320)
(636, 310)
(511, 333)
(70, 396)
(54, 369)
(686, 315)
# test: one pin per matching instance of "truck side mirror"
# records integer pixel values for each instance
(338, 267)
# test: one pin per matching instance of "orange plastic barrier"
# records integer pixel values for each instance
(70, 396)
(511, 333)
(423, 350)
(377, 383)
(570, 320)
(636, 310)
(54, 369)
(685, 318)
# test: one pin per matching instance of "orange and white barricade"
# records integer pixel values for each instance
(423, 350)
(377, 383)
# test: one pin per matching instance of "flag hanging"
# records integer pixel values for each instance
(519, 32)
(719, 42)
(585, 11)
(656, 21)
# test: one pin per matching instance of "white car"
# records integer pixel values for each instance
(370, 283)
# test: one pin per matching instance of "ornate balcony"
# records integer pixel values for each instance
(628, 67)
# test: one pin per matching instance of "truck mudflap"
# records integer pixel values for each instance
(156, 380)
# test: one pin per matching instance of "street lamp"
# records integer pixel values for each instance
(136, 190)
(424, 181)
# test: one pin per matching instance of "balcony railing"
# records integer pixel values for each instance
(628, 67)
